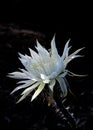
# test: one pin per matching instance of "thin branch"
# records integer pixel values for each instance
(23, 32)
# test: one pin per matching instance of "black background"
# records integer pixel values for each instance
(66, 19)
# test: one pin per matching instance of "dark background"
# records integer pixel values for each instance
(43, 19)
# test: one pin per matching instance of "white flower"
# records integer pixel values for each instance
(42, 68)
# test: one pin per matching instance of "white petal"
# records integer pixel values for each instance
(23, 61)
(73, 55)
(31, 64)
(55, 58)
(38, 91)
(28, 83)
(62, 86)
(26, 61)
(54, 52)
(24, 81)
(31, 73)
(77, 51)
(31, 88)
(52, 84)
(24, 57)
(27, 92)
(34, 55)
(44, 59)
(18, 75)
(66, 49)
(59, 68)
(23, 97)
(41, 49)
(44, 55)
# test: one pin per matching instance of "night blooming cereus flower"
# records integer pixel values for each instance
(42, 68)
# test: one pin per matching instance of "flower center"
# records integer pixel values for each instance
(45, 78)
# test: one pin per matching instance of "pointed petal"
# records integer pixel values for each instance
(27, 91)
(24, 57)
(60, 66)
(23, 61)
(68, 59)
(55, 57)
(22, 98)
(54, 52)
(42, 51)
(28, 83)
(38, 91)
(31, 73)
(30, 89)
(24, 81)
(32, 65)
(18, 75)
(77, 51)
(62, 86)
(43, 60)
(34, 54)
(72, 56)
(26, 61)
(66, 49)
(21, 55)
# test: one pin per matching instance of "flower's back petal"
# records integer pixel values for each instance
(27, 92)
(38, 91)
(28, 83)
(62, 86)
(31, 88)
